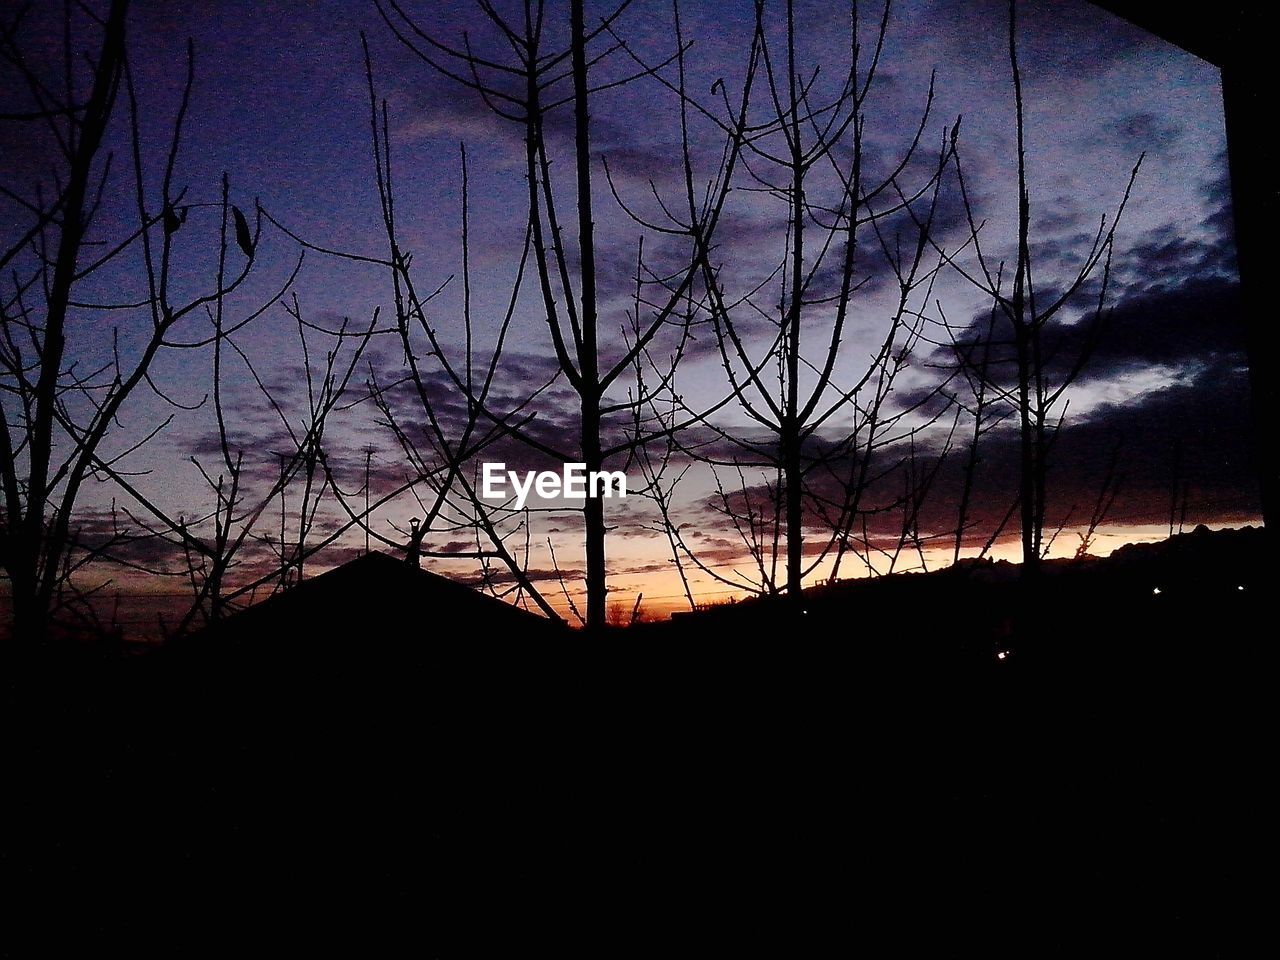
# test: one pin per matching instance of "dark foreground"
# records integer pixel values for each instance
(863, 778)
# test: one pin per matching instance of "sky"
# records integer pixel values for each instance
(280, 104)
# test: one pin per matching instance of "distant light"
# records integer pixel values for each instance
(806, 612)
(1155, 592)
(1002, 655)
(1240, 587)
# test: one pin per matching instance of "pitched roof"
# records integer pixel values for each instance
(372, 600)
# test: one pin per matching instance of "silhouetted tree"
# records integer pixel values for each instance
(536, 81)
(229, 553)
(1019, 361)
(65, 382)
(817, 431)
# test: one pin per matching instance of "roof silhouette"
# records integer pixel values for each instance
(374, 600)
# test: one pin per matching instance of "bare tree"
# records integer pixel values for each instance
(817, 431)
(535, 82)
(228, 552)
(1022, 363)
(437, 450)
(64, 388)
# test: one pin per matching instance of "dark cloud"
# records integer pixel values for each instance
(120, 538)
(1146, 131)
(1185, 325)
(500, 576)
(1059, 217)
(1197, 322)
(1173, 301)
(1219, 199)
(1168, 254)
(1193, 434)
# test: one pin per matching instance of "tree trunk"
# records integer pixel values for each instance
(35, 557)
(791, 423)
(795, 529)
(593, 518)
(593, 509)
(1026, 458)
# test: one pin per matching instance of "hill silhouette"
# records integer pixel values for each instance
(1145, 606)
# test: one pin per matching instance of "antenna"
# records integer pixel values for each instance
(368, 457)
